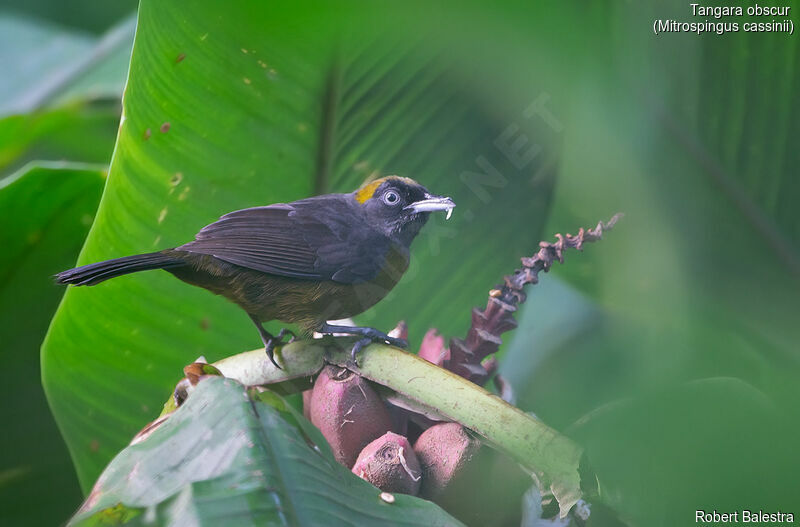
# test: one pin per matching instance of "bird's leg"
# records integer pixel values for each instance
(270, 340)
(282, 333)
(369, 335)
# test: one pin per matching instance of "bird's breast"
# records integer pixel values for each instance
(394, 266)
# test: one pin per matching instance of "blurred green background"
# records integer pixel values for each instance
(669, 350)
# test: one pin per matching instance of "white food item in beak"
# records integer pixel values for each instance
(433, 204)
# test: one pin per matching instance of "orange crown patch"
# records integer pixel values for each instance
(369, 188)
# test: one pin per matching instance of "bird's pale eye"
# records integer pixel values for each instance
(390, 197)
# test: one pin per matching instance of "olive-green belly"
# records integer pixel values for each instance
(307, 303)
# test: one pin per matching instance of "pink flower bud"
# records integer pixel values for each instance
(389, 463)
(432, 348)
(443, 451)
(455, 469)
(400, 331)
(348, 412)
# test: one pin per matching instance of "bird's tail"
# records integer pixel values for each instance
(97, 272)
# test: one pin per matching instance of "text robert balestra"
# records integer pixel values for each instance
(743, 516)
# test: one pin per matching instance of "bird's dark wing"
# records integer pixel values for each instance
(317, 238)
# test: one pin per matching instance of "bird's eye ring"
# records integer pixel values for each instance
(391, 198)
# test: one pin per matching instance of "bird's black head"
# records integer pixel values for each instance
(399, 206)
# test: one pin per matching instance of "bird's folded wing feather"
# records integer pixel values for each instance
(311, 239)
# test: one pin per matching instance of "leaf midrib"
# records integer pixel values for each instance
(327, 140)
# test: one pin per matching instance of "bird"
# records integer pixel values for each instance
(307, 262)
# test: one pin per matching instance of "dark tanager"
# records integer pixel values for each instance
(307, 262)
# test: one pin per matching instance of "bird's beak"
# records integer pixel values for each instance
(432, 204)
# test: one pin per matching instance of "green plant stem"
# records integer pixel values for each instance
(550, 457)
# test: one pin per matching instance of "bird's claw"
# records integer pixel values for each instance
(282, 333)
(377, 336)
(357, 347)
(366, 336)
(269, 348)
(278, 340)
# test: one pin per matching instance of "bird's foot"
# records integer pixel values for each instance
(278, 340)
(368, 336)
(282, 334)
(377, 337)
(271, 341)
(357, 347)
(373, 335)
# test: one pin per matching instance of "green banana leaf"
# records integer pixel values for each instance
(247, 105)
(76, 132)
(59, 98)
(44, 64)
(692, 136)
(83, 14)
(229, 456)
(48, 51)
(46, 212)
(674, 344)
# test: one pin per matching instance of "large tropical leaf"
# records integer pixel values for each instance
(233, 457)
(31, 52)
(59, 98)
(43, 63)
(77, 132)
(676, 344)
(246, 105)
(84, 14)
(46, 212)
